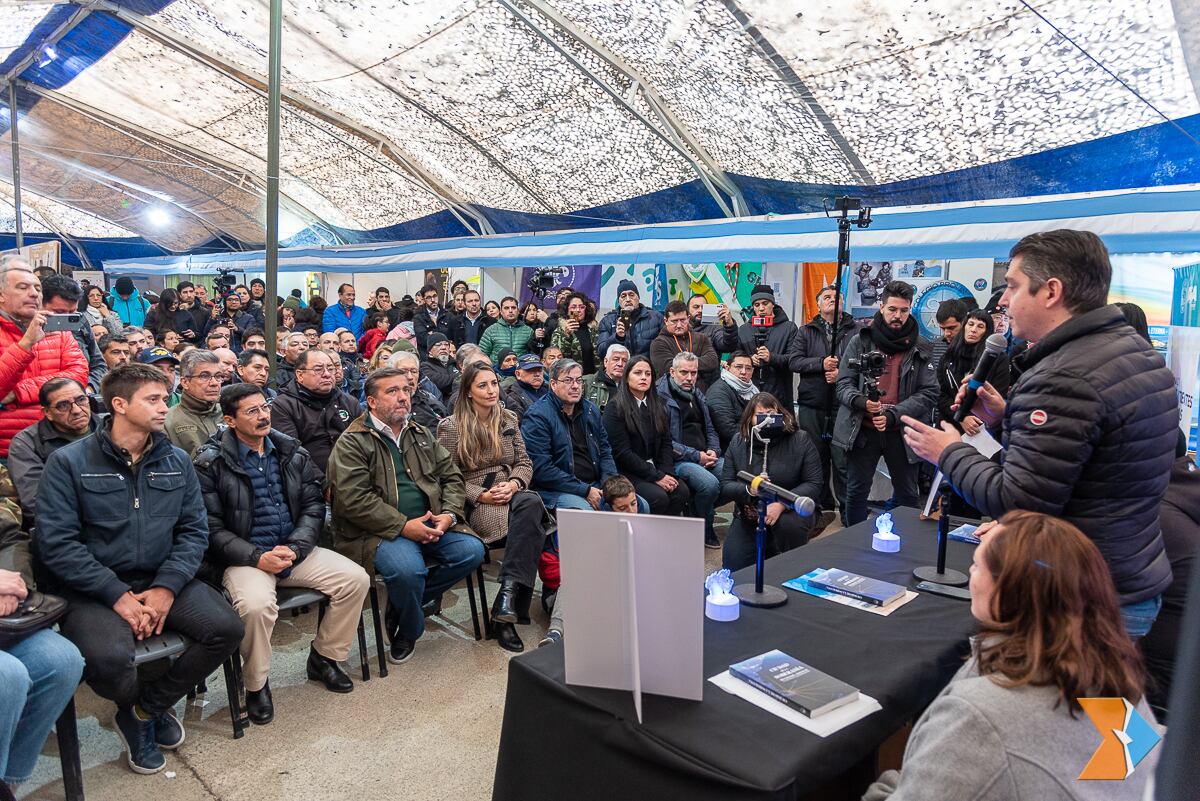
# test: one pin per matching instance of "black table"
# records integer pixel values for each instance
(561, 741)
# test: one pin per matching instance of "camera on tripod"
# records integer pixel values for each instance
(543, 280)
(870, 366)
(224, 283)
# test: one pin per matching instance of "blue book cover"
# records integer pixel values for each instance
(852, 585)
(796, 684)
(965, 533)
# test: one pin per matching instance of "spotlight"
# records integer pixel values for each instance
(158, 217)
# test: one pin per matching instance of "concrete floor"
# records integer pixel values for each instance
(430, 730)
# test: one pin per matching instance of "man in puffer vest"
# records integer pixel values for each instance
(29, 357)
(265, 504)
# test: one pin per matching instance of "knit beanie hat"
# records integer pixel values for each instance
(762, 291)
(627, 286)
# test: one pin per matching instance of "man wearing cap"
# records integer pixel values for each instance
(437, 366)
(631, 324)
(527, 386)
(127, 303)
(198, 415)
(68, 418)
(771, 344)
(164, 360)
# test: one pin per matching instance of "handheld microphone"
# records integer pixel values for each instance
(995, 345)
(758, 484)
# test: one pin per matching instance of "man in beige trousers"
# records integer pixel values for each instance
(266, 507)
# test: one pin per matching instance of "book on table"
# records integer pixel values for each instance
(861, 588)
(794, 683)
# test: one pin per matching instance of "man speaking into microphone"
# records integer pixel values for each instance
(1089, 429)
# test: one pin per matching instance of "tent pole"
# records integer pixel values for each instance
(270, 311)
(16, 160)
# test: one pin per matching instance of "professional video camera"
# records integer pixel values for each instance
(543, 280)
(870, 366)
(224, 283)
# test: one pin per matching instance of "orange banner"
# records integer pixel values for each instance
(816, 275)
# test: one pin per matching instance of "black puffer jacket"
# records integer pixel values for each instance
(808, 359)
(314, 420)
(1089, 436)
(229, 498)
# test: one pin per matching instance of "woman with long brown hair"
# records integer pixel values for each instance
(1009, 724)
(792, 460)
(485, 440)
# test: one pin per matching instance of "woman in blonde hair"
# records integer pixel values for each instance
(486, 443)
(1009, 725)
(379, 358)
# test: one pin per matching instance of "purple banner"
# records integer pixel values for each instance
(583, 278)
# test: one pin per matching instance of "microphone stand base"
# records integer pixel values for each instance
(768, 598)
(953, 578)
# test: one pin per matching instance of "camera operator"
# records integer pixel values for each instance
(1089, 427)
(886, 373)
(769, 338)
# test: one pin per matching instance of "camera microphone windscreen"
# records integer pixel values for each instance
(995, 345)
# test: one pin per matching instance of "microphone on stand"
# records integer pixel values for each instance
(800, 504)
(995, 345)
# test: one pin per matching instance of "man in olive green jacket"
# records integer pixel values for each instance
(399, 502)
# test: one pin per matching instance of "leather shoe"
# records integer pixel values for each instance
(401, 650)
(524, 599)
(507, 637)
(328, 672)
(259, 705)
(504, 608)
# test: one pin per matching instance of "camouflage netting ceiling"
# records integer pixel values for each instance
(148, 118)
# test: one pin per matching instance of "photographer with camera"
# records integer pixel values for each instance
(630, 324)
(885, 374)
(770, 339)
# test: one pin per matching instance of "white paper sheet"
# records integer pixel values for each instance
(983, 442)
(822, 726)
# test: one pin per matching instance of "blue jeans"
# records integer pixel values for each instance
(1140, 616)
(38, 676)
(566, 500)
(705, 484)
(410, 583)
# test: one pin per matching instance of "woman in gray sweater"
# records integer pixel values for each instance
(1009, 725)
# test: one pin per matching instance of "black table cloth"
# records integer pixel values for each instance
(561, 741)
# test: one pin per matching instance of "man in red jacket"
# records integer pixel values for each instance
(29, 357)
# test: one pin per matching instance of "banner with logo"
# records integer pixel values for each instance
(1185, 303)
